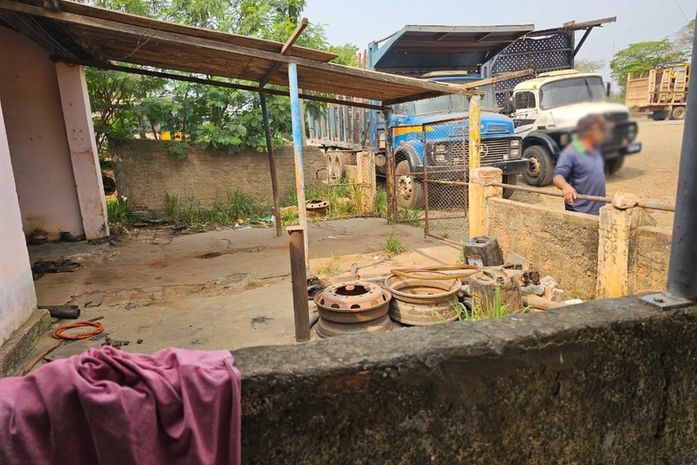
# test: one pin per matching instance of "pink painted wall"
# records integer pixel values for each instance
(37, 137)
(17, 296)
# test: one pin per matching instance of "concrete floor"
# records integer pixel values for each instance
(155, 287)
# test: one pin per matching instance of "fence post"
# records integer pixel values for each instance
(298, 276)
(478, 193)
(391, 165)
(474, 196)
(617, 228)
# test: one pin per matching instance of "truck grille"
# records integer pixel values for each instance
(616, 117)
(456, 153)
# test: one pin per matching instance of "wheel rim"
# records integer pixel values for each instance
(405, 187)
(535, 167)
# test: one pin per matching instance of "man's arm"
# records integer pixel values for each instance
(565, 166)
(570, 193)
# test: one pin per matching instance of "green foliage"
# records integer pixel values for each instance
(120, 213)
(393, 245)
(381, 203)
(643, 56)
(177, 150)
(209, 116)
(235, 207)
(409, 216)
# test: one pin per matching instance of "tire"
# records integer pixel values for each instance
(613, 165)
(511, 179)
(659, 115)
(541, 170)
(408, 190)
(678, 113)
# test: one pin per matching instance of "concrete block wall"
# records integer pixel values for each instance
(562, 244)
(145, 172)
(648, 263)
(609, 381)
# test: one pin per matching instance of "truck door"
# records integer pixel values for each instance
(525, 104)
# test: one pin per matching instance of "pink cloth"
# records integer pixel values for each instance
(109, 407)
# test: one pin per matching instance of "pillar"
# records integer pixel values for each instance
(617, 227)
(479, 191)
(84, 158)
(17, 295)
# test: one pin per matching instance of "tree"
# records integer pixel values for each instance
(206, 115)
(643, 56)
(684, 37)
(588, 66)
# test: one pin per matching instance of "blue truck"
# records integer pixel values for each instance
(435, 131)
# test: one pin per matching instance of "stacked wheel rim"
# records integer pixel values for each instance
(422, 302)
(350, 308)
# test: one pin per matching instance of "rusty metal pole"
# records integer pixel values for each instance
(272, 163)
(391, 194)
(298, 276)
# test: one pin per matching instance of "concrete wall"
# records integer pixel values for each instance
(145, 172)
(603, 382)
(559, 243)
(17, 296)
(648, 263)
(37, 137)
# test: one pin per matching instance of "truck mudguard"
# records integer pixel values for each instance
(543, 139)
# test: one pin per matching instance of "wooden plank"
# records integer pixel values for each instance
(284, 51)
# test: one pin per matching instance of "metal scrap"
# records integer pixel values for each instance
(60, 265)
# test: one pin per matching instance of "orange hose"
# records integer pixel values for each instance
(58, 332)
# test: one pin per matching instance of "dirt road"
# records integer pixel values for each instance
(651, 174)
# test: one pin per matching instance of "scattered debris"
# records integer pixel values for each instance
(352, 308)
(139, 341)
(59, 265)
(66, 236)
(496, 287)
(112, 239)
(115, 343)
(63, 312)
(259, 320)
(483, 251)
(37, 237)
(210, 255)
(59, 333)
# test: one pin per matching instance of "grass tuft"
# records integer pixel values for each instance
(393, 245)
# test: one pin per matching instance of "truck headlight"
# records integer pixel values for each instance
(515, 153)
(515, 143)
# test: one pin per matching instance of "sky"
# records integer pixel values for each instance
(361, 21)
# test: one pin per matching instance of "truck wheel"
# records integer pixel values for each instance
(541, 170)
(678, 113)
(408, 190)
(659, 115)
(511, 179)
(613, 165)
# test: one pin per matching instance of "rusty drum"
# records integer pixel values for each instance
(422, 302)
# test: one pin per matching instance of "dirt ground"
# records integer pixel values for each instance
(155, 287)
(652, 174)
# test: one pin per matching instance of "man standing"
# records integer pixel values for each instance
(581, 169)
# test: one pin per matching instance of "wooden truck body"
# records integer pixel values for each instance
(661, 91)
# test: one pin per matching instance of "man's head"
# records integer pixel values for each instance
(592, 129)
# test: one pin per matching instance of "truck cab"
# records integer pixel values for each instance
(436, 132)
(546, 111)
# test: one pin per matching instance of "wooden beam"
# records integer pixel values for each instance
(167, 39)
(285, 50)
(226, 84)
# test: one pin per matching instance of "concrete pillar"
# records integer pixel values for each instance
(17, 295)
(618, 224)
(478, 216)
(84, 158)
(366, 177)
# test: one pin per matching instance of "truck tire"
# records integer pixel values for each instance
(541, 170)
(511, 179)
(408, 190)
(613, 165)
(678, 113)
(659, 115)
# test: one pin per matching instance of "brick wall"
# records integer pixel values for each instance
(145, 172)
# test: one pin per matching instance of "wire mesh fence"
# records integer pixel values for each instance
(445, 178)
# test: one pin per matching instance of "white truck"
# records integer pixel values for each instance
(546, 111)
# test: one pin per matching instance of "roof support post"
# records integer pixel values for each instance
(682, 271)
(272, 162)
(298, 153)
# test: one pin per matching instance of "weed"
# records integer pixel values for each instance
(177, 150)
(289, 216)
(120, 213)
(332, 266)
(409, 216)
(381, 203)
(223, 212)
(393, 245)
(481, 310)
